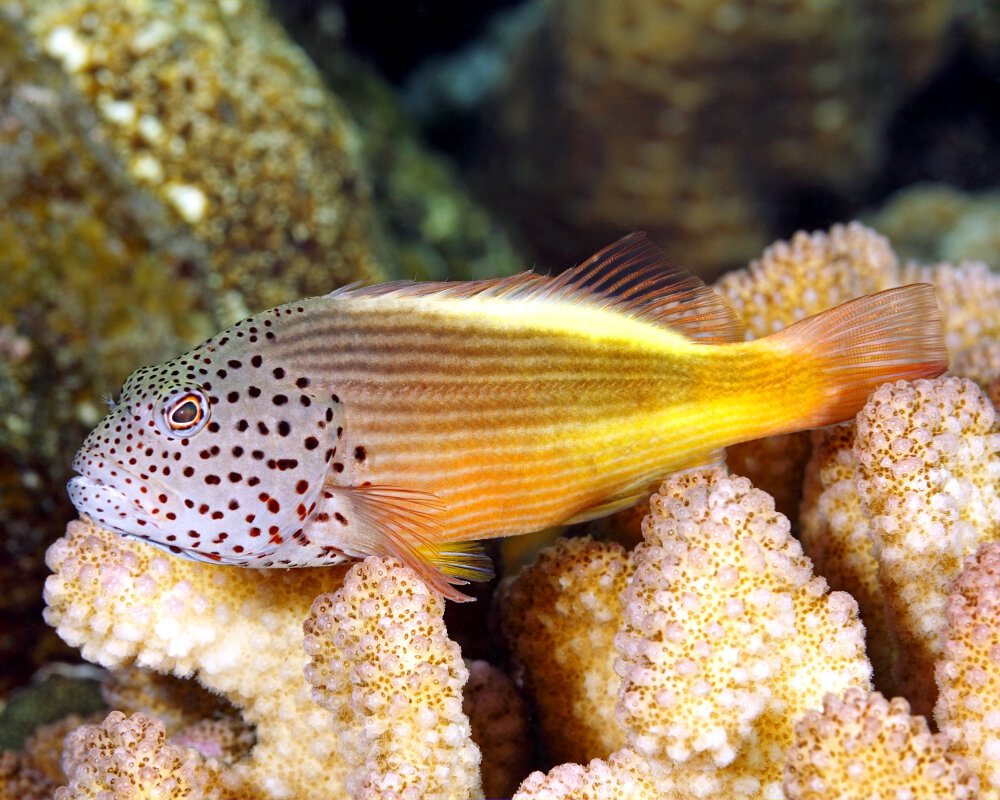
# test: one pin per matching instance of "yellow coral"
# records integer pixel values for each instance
(239, 632)
(382, 662)
(929, 464)
(863, 747)
(980, 362)
(968, 674)
(727, 637)
(560, 617)
(128, 758)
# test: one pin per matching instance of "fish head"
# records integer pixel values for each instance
(217, 455)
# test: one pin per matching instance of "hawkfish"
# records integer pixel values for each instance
(412, 419)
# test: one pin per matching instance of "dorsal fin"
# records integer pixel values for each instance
(630, 276)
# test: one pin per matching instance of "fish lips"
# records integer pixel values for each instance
(101, 493)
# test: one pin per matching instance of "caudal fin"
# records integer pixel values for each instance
(893, 335)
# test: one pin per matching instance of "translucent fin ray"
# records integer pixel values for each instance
(630, 276)
(405, 524)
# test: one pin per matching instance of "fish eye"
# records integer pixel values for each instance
(186, 412)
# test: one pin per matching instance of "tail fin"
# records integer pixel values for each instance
(857, 346)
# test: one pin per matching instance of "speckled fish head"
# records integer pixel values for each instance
(217, 455)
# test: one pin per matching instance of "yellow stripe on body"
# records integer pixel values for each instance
(519, 414)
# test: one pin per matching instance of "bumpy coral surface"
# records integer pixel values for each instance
(968, 674)
(560, 617)
(623, 774)
(128, 758)
(929, 464)
(382, 663)
(792, 280)
(864, 746)
(500, 725)
(239, 632)
(727, 638)
(834, 534)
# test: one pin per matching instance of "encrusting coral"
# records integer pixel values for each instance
(929, 478)
(382, 663)
(559, 618)
(863, 745)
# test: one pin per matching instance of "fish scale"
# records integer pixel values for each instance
(411, 419)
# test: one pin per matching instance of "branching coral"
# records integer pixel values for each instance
(789, 282)
(834, 534)
(864, 746)
(623, 774)
(128, 758)
(382, 663)
(498, 716)
(929, 477)
(727, 638)
(968, 674)
(237, 631)
(560, 617)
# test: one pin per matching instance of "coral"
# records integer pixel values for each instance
(980, 362)
(559, 617)
(863, 745)
(381, 661)
(834, 534)
(727, 637)
(791, 281)
(188, 98)
(21, 780)
(807, 87)
(929, 477)
(968, 674)
(931, 222)
(128, 758)
(969, 297)
(238, 632)
(624, 774)
(500, 726)
(809, 273)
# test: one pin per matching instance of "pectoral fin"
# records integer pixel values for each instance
(406, 524)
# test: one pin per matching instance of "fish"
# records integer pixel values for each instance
(414, 420)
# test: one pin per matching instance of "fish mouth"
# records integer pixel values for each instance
(109, 493)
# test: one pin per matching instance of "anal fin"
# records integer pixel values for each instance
(406, 524)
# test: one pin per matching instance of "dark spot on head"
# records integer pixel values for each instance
(212, 479)
(273, 506)
(213, 427)
(235, 477)
(359, 453)
(302, 383)
(278, 373)
(256, 361)
(284, 428)
(302, 487)
(264, 430)
(279, 399)
(242, 425)
(234, 363)
(237, 451)
(338, 467)
(311, 443)
(233, 505)
(188, 472)
(253, 391)
(232, 397)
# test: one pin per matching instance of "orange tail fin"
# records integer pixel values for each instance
(857, 346)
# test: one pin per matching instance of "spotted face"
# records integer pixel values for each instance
(219, 454)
